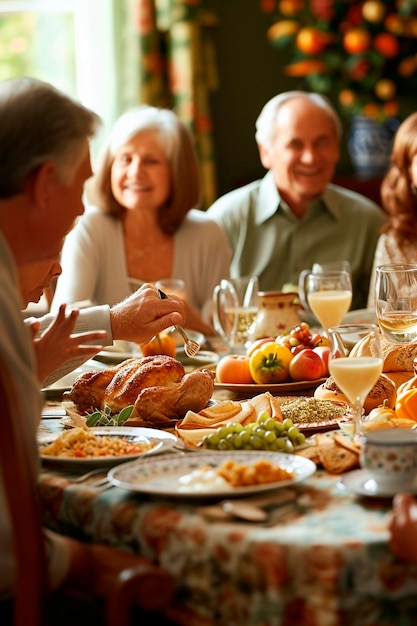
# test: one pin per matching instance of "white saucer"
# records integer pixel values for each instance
(360, 483)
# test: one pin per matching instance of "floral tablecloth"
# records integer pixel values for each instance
(328, 565)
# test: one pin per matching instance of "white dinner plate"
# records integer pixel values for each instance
(161, 476)
(65, 383)
(123, 350)
(163, 441)
(118, 352)
(201, 358)
(360, 483)
(191, 334)
(360, 316)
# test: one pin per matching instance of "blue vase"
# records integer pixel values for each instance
(370, 145)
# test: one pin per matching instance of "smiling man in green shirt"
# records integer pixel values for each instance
(294, 217)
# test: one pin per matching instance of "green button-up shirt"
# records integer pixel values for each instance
(269, 241)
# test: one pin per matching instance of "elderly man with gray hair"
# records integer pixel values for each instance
(44, 163)
(294, 216)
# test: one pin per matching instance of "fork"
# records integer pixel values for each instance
(191, 347)
(76, 480)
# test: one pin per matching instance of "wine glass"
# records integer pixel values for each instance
(396, 301)
(328, 295)
(355, 375)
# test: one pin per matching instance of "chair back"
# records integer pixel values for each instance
(20, 487)
(146, 585)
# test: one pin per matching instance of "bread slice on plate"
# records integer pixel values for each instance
(221, 413)
(266, 403)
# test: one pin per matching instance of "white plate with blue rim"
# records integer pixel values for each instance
(173, 476)
(161, 441)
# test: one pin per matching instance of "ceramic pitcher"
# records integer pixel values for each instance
(277, 312)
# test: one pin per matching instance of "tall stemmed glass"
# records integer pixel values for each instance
(328, 295)
(396, 302)
(355, 375)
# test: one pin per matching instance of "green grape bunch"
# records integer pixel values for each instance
(264, 434)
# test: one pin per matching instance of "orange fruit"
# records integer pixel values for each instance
(356, 40)
(161, 344)
(387, 45)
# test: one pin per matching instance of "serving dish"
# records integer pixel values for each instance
(276, 389)
(161, 476)
(162, 439)
(322, 425)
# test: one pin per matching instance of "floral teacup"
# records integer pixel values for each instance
(390, 457)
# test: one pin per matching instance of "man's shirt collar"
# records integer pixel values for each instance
(270, 201)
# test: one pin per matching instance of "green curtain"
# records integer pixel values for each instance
(166, 58)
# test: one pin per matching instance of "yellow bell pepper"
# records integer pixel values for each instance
(406, 404)
(270, 363)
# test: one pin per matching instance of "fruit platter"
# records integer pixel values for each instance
(292, 361)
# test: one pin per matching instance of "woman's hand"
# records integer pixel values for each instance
(403, 528)
(57, 344)
(143, 315)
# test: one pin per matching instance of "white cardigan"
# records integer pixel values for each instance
(94, 262)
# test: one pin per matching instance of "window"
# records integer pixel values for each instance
(69, 43)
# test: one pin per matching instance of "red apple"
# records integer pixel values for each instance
(323, 352)
(234, 368)
(257, 344)
(306, 365)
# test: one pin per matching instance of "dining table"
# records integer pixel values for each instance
(319, 558)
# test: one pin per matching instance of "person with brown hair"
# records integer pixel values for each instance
(142, 223)
(398, 240)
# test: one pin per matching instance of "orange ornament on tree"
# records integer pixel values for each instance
(371, 109)
(387, 45)
(312, 41)
(391, 108)
(307, 66)
(385, 89)
(347, 97)
(356, 41)
(291, 7)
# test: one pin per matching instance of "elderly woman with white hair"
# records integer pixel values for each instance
(142, 222)
(294, 217)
